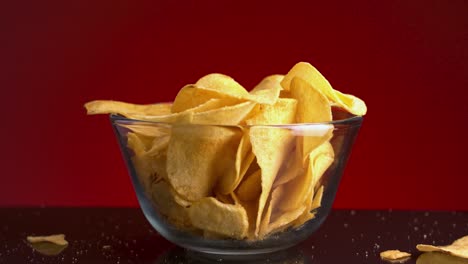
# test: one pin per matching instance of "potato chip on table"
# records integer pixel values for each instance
(227, 163)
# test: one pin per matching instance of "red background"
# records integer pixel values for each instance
(407, 59)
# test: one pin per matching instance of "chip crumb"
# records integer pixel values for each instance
(396, 254)
(58, 239)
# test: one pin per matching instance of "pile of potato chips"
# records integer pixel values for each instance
(215, 163)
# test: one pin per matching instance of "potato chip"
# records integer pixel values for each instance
(394, 255)
(208, 113)
(223, 84)
(164, 199)
(312, 107)
(233, 176)
(290, 169)
(191, 96)
(223, 219)
(296, 190)
(312, 76)
(58, 239)
(197, 156)
(126, 109)
(270, 144)
(48, 245)
(285, 220)
(141, 161)
(268, 90)
(159, 145)
(276, 219)
(317, 201)
(250, 188)
(271, 208)
(229, 115)
(320, 160)
(458, 248)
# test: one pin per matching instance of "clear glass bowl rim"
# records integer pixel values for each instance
(350, 121)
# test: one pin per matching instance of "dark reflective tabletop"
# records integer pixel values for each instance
(122, 235)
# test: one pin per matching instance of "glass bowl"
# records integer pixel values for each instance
(156, 152)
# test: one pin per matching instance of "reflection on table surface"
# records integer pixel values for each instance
(122, 235)
(179, 255)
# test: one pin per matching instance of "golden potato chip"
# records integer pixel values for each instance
(283, 112)
(223, 84)
(58, 239)
(312, 104)
(126, 109)
(191, 96)
(276, 219)
(141, 161)
(312, 76)
(394, 255)
(271, 208)
(184, 117)
(320, 159)
(164, 199)
(229, 115)
(147, 129)
(290, 169)
(300, 191)
(317, 201)
(197, 156)
(458, 248)
(296, 191)
(285, 220)
(268, 90)
(223, 219)
(312, 107)
(48, 245)
(271, 144)
(158, 145)
(233, 176)
(250, 188)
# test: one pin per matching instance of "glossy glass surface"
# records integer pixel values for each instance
(345, 129)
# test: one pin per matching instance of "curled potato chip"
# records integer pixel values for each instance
(223, 219)
(197, 156)
(233, 176)
(458, 248)
(250, 188)
(126, 109)
(290, 169)
(185, 117)
(223, 84)
(270, 145)
(228, 115)
(191, 96)
(268, 90)
(58, 239)
(48, 245)
(164, 199)
(312, 107)
(141, 161)
(311, 75)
